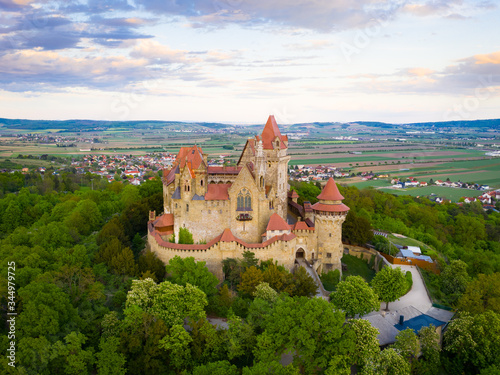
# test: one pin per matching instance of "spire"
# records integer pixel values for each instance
(330, 192)
(269, 134)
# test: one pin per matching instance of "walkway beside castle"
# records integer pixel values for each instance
(320, 292)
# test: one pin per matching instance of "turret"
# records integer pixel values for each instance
(329, 214)
(260, 165)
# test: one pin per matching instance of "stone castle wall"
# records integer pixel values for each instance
(214, 252)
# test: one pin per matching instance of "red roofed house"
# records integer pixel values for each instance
(245, 207)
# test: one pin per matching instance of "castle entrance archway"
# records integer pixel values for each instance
(300, 254)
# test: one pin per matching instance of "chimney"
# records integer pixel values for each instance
(152, 215)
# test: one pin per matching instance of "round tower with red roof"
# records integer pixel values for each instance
(329, 214)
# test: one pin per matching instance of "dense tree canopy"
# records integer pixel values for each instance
(86, 304)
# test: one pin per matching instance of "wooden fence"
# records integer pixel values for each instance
(432, 267)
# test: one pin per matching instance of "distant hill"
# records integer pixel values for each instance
(97, 125)
(493, 123)
(93, 125)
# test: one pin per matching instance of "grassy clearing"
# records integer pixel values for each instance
(447, 192)
(426, 250)
(357, 267)
(474, 164)
(365, 184)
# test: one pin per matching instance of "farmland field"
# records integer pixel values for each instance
(441, 191)
(378, 150)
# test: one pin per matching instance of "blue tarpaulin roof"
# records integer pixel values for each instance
(418, 322)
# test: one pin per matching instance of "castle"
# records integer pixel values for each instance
(246, 207)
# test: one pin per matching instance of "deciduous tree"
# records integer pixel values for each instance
(186, 270)
(472, 342)
(455, 279)
(109, 360)
(367, 346)
(176, 343)
(389, 284)
(388, 362)
(354, 296)
(407, 344)
(303, 284)
(168, 301)
(307, 327)
(481, 294)
(249, 280)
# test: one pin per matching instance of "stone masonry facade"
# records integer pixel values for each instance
(246, 207)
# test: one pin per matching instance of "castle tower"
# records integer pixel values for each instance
(275, 148)
(329, 214)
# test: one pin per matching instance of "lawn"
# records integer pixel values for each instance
(441, 191)
(353, 160)
(357, 267)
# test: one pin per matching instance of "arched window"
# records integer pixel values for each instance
(244, 201)
(201, 183)
(261, 181)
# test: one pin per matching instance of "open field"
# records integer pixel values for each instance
(448, 192)
(381, 150)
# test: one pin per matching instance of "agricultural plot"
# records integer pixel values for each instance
(365, 184)
(446, 192)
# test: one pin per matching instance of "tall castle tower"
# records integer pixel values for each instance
(329, 214)
(275, 148)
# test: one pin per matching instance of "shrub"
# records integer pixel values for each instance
(409, 280)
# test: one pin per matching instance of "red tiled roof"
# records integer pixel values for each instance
(170, 176)
(297, 206)
(193, 154)
(224, 170)
(330, 192)
(330, 207)
(301, 225)
(276, 222)
(292, 194)
(164, 221)
(227, 236)
(307, 207)
(217, 192)
(269, 134)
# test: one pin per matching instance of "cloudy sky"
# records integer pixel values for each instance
(238, 61)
